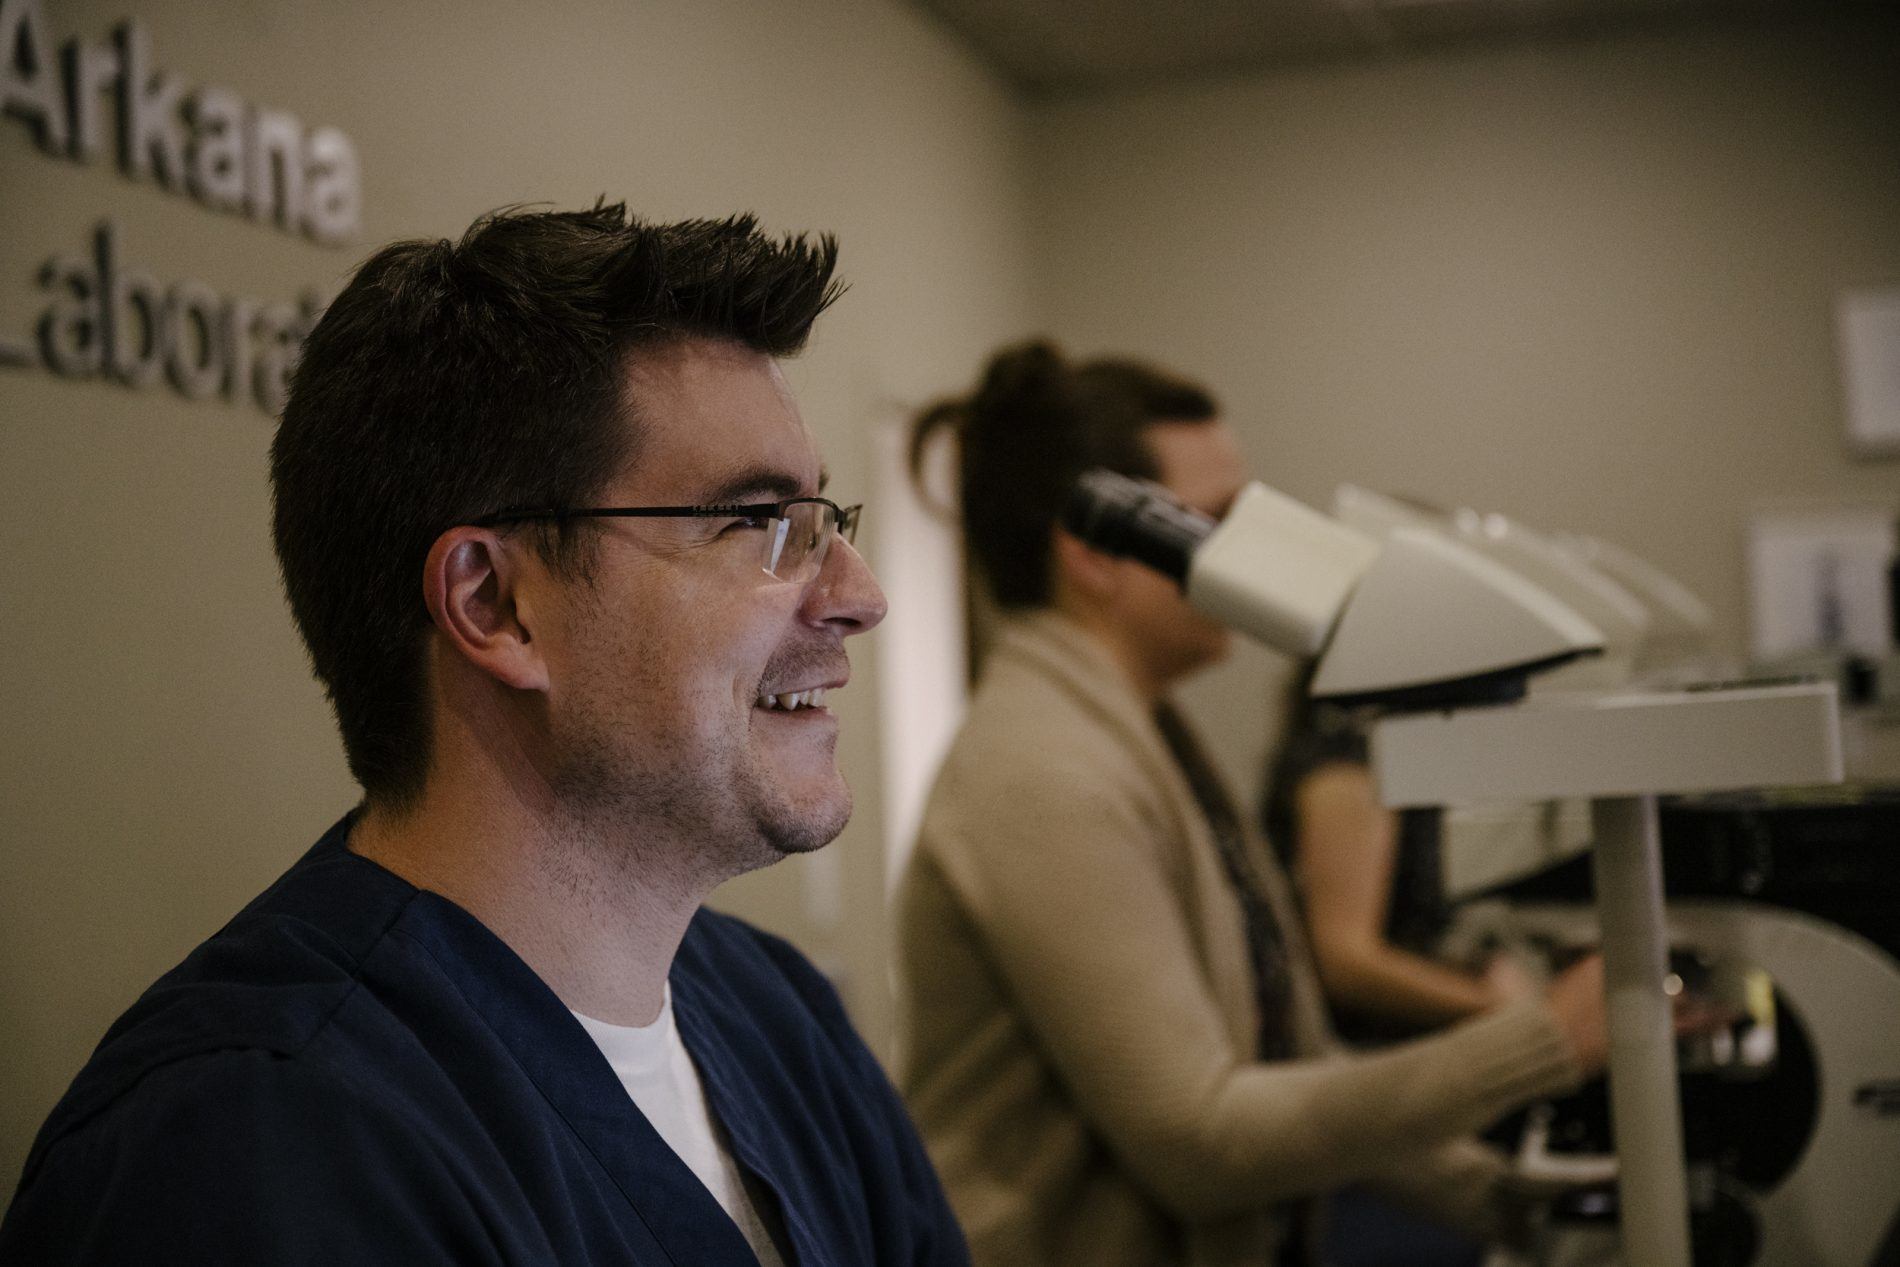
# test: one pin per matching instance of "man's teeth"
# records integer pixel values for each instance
(814, 698)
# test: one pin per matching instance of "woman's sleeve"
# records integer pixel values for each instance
(1065, 880)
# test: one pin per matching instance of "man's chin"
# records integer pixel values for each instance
(810, 832)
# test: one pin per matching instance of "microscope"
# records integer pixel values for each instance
(1445, 640)
(1781, 904)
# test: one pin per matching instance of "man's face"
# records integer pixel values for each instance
(1200, 463)
(660, 666)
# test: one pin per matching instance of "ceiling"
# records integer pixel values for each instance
(1061, 47)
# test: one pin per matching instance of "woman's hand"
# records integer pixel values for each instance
(1508, 980)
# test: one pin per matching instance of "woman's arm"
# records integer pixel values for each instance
(1345, 854)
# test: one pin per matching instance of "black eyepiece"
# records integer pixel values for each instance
(1135, 519)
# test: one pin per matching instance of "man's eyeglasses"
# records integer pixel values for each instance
(796, 532)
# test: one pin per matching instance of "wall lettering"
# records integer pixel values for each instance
(105, 319)
(207, 143)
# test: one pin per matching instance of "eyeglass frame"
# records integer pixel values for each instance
(844, 519)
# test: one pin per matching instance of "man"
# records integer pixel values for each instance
(1115, 1040)
(549, 524)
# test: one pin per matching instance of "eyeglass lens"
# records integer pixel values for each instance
(795, 549)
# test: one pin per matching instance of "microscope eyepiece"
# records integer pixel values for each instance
(1135, 519)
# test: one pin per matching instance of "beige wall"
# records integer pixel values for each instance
(164, 753)
(1588, 285)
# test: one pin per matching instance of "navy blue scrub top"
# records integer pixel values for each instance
(357, 1071)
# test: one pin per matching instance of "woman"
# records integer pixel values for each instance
(1371, 888)
(1115, 1041)
(1370, 884)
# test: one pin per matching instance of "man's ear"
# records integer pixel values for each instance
(472, 586)
(1084, 568)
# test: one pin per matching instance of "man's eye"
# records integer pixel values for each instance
(741, 522)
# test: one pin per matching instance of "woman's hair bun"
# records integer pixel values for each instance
(1034, 422)
(1031, 374)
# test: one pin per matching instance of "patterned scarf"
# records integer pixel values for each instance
(1266, 945)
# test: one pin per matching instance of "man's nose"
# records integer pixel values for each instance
(845, 594)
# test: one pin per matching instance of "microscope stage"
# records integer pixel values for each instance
(1612, 745)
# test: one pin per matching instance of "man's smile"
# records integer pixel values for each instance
(801, 688)
(793, 701)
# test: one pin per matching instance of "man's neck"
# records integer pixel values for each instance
(597, 917)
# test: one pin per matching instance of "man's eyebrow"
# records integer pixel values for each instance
(754, 483)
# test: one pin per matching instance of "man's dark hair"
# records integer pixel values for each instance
(1034, 423)
(450, 380)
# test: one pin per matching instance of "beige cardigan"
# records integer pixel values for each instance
(1078, 1015)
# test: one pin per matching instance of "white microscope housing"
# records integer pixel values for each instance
(1415, 618)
